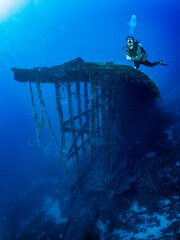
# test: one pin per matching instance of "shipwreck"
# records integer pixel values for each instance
(109, 110)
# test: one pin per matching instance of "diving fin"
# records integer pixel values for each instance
(163, 64)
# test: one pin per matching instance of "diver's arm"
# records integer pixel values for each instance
(138, 57)
(128, 57)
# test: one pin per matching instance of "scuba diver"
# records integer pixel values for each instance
(134, 52)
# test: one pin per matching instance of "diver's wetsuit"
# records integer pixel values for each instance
(139, 56)
(146, 63)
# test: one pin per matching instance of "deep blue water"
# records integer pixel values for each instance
(52, 32)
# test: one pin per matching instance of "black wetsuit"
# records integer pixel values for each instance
(146, 63)
(139, 53)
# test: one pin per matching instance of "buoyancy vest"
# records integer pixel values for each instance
(133, 52)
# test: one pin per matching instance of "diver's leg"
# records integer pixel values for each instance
(155, 63)
(149, 64)
(136, 64)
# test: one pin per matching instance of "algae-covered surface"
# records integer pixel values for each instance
(78, 69)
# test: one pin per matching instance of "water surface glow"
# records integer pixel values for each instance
(8, 7)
